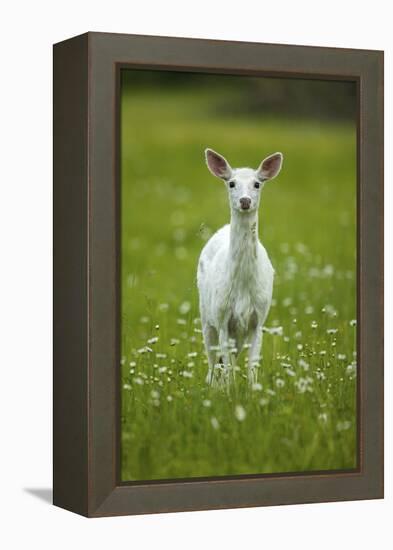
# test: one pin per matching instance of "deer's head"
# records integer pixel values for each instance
(244, 184)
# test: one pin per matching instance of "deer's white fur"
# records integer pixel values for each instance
(235, 275)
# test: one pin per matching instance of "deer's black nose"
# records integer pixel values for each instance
(245, 203)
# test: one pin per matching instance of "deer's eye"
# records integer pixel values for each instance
(231, 184)
(257, 185)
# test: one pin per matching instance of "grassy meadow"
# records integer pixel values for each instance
(301, 416)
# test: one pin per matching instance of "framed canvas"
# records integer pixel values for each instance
(218, 274)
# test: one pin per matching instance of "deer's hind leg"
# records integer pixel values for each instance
(254, 352)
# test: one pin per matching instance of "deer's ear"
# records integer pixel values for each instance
(217, 164)
(270, 167)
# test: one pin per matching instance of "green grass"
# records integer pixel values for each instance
(304, 415)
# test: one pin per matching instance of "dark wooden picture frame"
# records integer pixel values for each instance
(86, 273)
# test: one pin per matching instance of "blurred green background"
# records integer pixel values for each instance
(302, 415)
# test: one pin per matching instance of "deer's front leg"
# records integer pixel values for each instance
(210, 338)
(223, 342)
(224, 361)
(254, 354)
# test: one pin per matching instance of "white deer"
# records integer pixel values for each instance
(235, 275)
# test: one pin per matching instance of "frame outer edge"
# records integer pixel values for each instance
(371, 265)
(70, 262)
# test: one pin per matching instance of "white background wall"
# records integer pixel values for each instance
(28, 30)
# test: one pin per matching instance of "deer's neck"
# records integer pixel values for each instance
(243, 241)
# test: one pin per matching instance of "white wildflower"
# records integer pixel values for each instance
(301, 248)
(351, 369)
(330, 310)
(344, 425)
(240, 413)
(328, 270)
(215, 423)
(303, 384)
(323, 417)
(184, 308)
(277, 331)
(174, 341)
(186, 374)
(303, 364)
